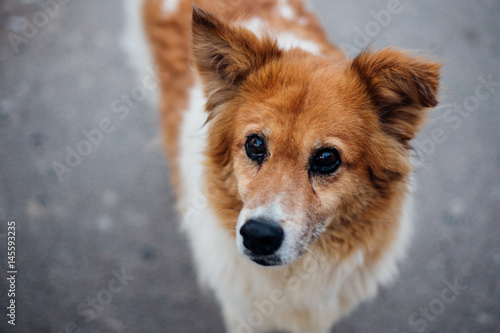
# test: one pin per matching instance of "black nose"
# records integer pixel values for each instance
(262, 237)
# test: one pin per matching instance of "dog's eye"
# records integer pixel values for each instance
(325, 161)
(256, 148)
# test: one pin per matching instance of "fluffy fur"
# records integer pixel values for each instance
(266, 67)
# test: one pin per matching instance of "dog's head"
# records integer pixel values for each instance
(304, 147)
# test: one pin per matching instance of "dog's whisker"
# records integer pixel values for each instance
(228, 208)
(313, 254)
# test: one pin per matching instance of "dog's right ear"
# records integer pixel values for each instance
(225, 55)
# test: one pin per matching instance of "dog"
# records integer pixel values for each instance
(291, 161)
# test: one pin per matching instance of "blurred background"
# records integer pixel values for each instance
(84, 176)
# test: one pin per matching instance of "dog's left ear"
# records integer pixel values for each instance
(400, 88)
(225, 55)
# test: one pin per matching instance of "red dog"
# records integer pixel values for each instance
(300, 154)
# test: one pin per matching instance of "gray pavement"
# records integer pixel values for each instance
(97, 241)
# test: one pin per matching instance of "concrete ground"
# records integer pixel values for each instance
(97, 241)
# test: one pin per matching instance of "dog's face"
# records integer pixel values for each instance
(304, 146)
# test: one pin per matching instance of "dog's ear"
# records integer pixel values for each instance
(400, 87)
(225, 55)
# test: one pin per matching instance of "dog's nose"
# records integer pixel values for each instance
(262, 237)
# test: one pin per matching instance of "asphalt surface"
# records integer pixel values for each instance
(97, 242)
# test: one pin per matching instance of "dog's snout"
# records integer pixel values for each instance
(262, 237)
